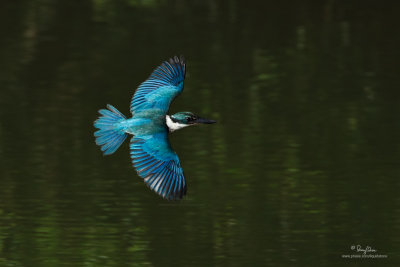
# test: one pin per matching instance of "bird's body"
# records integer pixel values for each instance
(150, 150)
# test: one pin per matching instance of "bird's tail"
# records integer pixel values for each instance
(110, 134)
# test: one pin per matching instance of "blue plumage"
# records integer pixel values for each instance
(109, 136)
(158, 165)
(163, 85)
(150, 150)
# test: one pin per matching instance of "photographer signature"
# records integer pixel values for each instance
(359, 248)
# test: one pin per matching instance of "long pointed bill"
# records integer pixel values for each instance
(204, 121)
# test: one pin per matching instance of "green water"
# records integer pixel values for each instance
(302, 164)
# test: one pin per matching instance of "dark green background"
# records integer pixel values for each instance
(303, 163)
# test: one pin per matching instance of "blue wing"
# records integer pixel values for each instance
(158, 165)
(163, 85)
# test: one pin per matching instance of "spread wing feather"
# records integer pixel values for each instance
(163, 85)
(158, 165)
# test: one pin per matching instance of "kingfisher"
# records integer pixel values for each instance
(150, 150)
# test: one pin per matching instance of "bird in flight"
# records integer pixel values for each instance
(150, 150)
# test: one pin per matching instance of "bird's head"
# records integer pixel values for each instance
(183, 119)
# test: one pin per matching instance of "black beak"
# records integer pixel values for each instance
(204, 121)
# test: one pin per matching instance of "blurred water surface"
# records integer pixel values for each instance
(303, 163)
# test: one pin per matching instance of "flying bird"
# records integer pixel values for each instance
(151, 153)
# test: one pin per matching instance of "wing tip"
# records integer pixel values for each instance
(172, 196)
(162, 187)
(178, 60)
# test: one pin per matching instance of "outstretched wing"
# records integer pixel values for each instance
(158, 165)
(163, 85)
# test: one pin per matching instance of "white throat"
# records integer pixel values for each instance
(173, 126)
